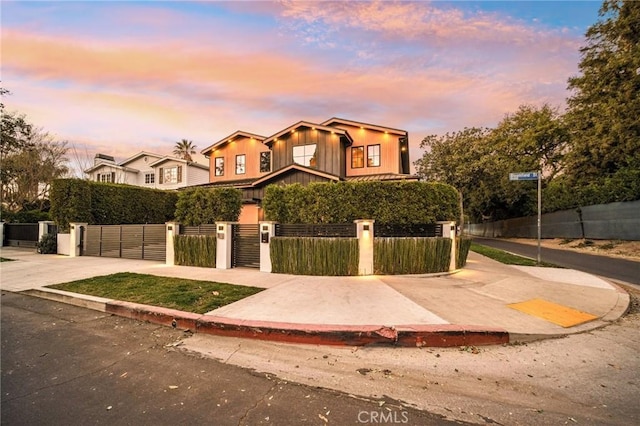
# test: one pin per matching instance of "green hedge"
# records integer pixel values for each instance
(342, 202)
(314, 256)
(75, 200)
(463, 244)
(394, 256)
(208, 205)
(195, 250)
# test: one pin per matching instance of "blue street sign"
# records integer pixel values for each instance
(523, 176)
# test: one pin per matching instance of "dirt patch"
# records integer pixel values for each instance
(613, 248)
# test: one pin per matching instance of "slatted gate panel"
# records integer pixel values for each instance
(21, 234)
(146, 242)
(246, 246)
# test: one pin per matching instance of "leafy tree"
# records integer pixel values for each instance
(477, 161)
(605, 104)
(31, 160)
(185, 149)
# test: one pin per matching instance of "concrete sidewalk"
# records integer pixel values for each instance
(464, 308)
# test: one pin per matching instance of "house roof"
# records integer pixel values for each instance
(336, 120)
(294, 127)
(290, 167)
(110, 165)
(231, 137)
(381, 177)
(179, 160)
(138, 155)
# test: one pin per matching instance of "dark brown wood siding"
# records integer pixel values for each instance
(294, 176)
(330, 150)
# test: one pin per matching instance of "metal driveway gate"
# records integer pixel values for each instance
(146, 242)
(246, 245)
(20, 234)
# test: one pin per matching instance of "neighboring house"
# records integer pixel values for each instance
(335, 150)
(149, 170)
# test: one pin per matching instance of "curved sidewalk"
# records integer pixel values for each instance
(485, 303)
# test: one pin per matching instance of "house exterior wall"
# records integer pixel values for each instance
(119, 175)
(249, 147)
(330, 153)
(142, 165)
(363, 137)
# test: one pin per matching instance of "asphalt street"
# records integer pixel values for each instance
(67, 365)
(624, 270)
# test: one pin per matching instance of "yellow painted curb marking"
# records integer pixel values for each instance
(557, 314)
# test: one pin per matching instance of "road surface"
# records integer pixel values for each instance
(624, 270)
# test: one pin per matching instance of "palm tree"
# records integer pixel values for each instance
(184, 149)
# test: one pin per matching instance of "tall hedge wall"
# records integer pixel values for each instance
(341, 202)
(76, 200)
(208, 205)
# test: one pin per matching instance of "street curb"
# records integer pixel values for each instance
(411, 335)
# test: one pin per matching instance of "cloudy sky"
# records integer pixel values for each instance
(119, 77)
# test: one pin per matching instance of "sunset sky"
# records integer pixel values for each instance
(119, 77)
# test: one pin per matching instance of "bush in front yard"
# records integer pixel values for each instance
(48, 244)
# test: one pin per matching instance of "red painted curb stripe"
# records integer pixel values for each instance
(343, 335)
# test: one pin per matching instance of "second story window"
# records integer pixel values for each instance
(149, 178)
(357, 157)
(219, 166)
(240, 164)
(305, 155)
(265, 162)
(373, 156)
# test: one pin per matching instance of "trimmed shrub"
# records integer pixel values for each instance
(314, 256)
(76, 200)
(340, 202)
(394, 256)
(208, 205)
(463, 244)
(48, 244)
(195, 250)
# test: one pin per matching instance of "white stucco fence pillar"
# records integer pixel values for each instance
(1, 234)
(43, 228)
(224, 245)
(364, 233)
(172, 229)
(267, 231)
(449, 231)
(76, 230)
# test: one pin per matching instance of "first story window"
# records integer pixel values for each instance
(149, 178)
(373, 156)
(265, 162)
(305, 155)
(171, 174)
(106, 177)
(357, 157)
(240, 164)
(219, 166)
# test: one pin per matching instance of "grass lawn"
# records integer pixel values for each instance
(175, 293)
(507, 258)
(4, 259)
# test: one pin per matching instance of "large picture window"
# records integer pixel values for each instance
(305, 155)
(357, 157)
(171, 174)
(373, 156)
(240, 164)
(219, 166)
(265, 161)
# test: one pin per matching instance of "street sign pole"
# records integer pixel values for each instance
(533, 176)
(539, 213)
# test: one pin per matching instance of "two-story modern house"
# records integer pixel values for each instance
(149, 170)
(335, 150)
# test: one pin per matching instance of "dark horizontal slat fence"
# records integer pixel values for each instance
(413, 230)
(21, 234)
(316, 230)
(209, 229)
